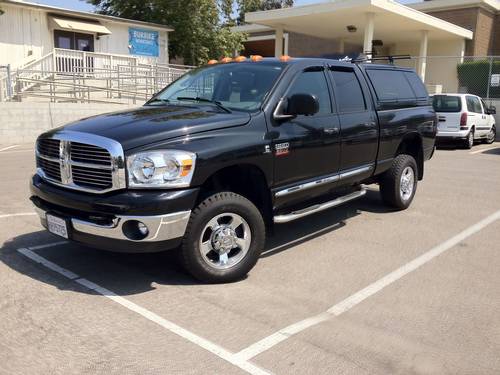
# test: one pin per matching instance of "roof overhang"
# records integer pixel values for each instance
(393, 21)
(85, 15)
(79, 25)
(443, 5)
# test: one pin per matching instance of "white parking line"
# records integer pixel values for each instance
(483, 150)
(168, 325)
(8, 148)
(358, 297)
(18, 214)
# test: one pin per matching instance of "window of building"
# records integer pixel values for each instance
(349, 94)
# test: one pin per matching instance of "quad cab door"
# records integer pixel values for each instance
(306, 148)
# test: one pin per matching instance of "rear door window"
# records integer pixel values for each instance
(390, 85)
(447, 103)
(349, 94)
(473, 104)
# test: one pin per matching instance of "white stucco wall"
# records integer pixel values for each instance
(27, 34)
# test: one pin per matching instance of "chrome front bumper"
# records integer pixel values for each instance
(160, 227)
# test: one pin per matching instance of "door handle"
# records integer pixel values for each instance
(331, 130)
(369, 124)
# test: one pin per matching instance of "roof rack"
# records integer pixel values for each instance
(389, 58)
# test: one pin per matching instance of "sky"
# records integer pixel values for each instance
(82, 5)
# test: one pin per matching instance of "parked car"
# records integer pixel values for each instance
(464, 118)
(213, 161)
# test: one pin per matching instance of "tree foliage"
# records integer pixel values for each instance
(199, 33)
(228, 8)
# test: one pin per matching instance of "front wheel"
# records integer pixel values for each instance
(399, 184)
(491, 135)
(224, 238)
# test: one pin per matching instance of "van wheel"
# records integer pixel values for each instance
(224, 238)
(469, 141)
(491, 135)
(399, 184)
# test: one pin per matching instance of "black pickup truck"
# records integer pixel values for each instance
(213, 161)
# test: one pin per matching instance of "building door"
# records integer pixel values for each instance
(74, 63)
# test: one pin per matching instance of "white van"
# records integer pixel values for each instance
(464, 118)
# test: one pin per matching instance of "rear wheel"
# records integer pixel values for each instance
(491, 135)
(469, 141)
(399, 184)
(224, 238)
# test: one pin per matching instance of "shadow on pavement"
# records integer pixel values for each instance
(129, 274)
(495, 151)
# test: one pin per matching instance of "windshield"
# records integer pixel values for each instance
(446, 103)
(236, 86)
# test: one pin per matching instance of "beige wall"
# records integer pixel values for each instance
(23, 122)
(26, 34)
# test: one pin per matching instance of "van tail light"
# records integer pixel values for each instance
(463, 120)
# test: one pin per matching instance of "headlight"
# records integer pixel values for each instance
(160, 169)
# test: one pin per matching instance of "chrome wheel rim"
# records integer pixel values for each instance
(407, 183)
(225, 240)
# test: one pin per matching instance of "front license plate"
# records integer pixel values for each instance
(57, 226)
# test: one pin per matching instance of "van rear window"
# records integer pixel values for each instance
(447, 103)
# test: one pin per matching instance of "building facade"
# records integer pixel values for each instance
(29, 31)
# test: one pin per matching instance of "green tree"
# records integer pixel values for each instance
(200, 33)
(228, 8)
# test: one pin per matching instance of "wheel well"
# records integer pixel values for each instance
(244, 179)
(412, 145)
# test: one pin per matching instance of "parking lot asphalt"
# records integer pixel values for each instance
(358, 289)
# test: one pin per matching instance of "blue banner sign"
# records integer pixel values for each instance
(143, 42)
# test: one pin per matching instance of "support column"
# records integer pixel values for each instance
(341, 46)
(368, 39)
(422, 60)
(278, 42)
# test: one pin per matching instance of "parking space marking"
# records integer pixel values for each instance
(151, 316)
(358, 297)
(18, 214)
(483, 150)
(8, 148)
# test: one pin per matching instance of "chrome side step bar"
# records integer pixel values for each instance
(318, 207)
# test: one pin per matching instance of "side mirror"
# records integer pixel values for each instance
(492, 110)
(297, 104)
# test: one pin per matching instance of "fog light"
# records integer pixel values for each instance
(135, 230)
(143, 228)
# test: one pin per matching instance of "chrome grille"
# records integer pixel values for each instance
(81, 161)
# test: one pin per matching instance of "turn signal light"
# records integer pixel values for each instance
(256, 58)
(226, 60)
(212, 62)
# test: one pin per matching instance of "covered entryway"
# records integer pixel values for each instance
(380, 27)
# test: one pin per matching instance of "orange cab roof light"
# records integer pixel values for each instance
(212, 62)
(285, 58)
(226, 60)
(240, 59)
(256, 58)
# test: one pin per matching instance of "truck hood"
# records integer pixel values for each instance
(150, 124)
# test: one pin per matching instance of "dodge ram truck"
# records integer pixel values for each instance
(212, 162)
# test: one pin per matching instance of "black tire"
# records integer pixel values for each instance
(390, 182)
(469, 140)
(211, 207)
(492, 135)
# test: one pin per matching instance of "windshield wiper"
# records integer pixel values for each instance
(198, 99)
(158, 100)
